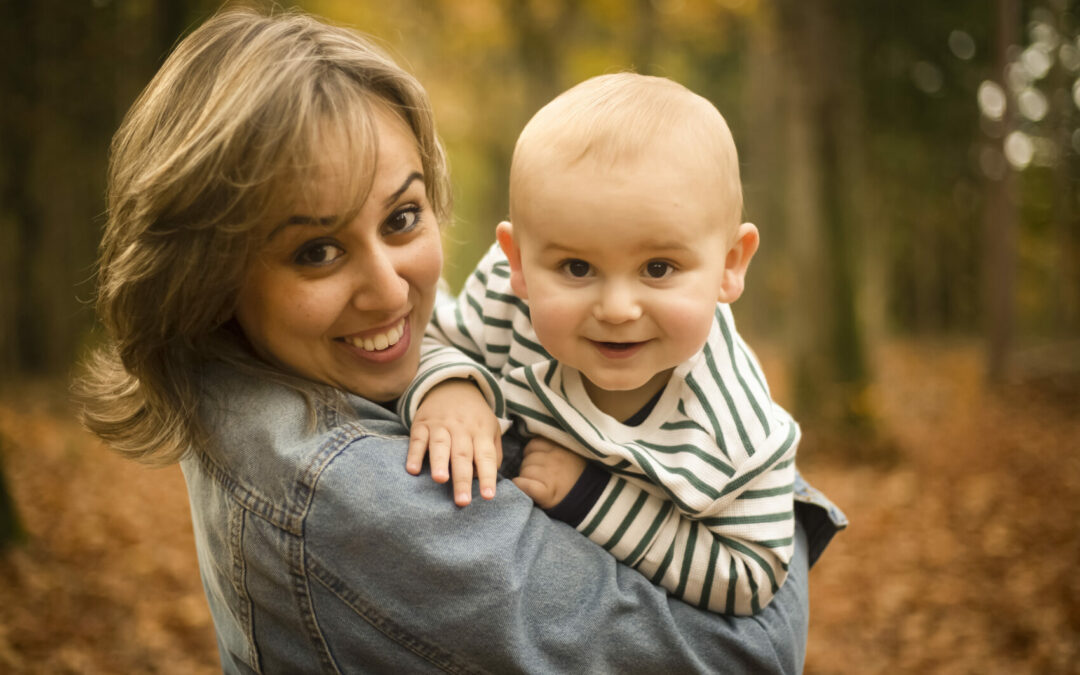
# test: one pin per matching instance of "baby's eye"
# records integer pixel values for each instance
(576, 268)
(318, 253)
(658, 269)
(402, 220)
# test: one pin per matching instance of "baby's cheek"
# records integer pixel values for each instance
(554, 328)
(688, 321)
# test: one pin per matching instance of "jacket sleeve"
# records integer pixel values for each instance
(499, 587)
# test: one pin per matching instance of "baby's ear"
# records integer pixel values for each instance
(737, 261)
(504, 234)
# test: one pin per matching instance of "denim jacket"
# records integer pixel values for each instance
(319, 553)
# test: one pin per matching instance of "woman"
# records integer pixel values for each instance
(269, 264)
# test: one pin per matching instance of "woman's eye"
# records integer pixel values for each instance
(658, 269)
(403, 220)
(576, 268)
(318, 254)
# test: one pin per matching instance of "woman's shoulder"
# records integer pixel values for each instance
(270, 440)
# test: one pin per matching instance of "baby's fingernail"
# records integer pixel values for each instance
(462, 498)
(488, 493)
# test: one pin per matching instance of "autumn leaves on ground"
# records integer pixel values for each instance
(960, 558)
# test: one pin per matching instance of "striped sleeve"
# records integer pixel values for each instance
(439, 363)
(467, 338)
(731, 564)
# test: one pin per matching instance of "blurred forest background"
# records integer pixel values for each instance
(913, 168)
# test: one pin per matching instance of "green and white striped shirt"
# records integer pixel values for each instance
(701, 496)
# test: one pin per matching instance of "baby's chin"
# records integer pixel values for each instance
(618, 386)
(618, 383)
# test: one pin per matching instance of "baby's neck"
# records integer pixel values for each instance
(622, 405)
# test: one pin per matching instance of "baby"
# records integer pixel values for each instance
(603, 313)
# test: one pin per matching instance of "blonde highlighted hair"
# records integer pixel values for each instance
(624, 118)
(223, 139)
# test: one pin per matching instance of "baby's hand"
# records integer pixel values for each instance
(454, 424)
(548, 472)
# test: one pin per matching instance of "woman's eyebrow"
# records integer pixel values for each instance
(415, 175)
(327, 221)
(324, 221)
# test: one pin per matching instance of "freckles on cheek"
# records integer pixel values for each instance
(304, 313)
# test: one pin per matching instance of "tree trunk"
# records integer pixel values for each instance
(764, 165)
(1000, 218)
(823, 132)
(18, 215)
(10, 528)
(1064, 306)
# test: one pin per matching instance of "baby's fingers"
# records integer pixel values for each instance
(461, 466)
(418, 444)
(439, 454)
(533, 489)
(488, 457)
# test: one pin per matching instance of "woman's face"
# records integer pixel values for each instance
(347, 304)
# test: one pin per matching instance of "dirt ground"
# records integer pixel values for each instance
(960, 557)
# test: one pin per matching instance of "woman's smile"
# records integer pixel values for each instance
(381, 346)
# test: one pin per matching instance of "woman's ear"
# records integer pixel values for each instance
(504, 234)
(737, 261)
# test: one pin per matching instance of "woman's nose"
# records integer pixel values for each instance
(379, 285)
(617, 303)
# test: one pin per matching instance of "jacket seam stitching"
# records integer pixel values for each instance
(303, 494)
(433, 654)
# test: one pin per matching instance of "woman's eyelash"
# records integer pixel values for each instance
(413, 210)
(317, 253)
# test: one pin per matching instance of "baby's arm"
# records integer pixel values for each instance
(732, 561)
(454, 421)
(466, 338)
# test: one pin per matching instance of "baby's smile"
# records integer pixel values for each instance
(617, 350)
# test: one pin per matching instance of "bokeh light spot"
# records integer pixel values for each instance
(1019, 149)
(991, 99)
(1032, 104)
(927, 77)
(1035, 61)
(962, 45)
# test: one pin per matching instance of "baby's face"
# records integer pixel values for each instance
(622, 268)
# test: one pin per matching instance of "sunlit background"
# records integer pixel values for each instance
(912, 167)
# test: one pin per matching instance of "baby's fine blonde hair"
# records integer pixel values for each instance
(625, 118)
(223, 140)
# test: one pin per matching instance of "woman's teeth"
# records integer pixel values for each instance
(381, 341)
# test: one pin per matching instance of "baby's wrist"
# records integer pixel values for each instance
(582, 496)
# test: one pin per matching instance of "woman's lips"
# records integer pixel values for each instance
(387, 345)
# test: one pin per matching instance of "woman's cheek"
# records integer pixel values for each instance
(428, 260)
